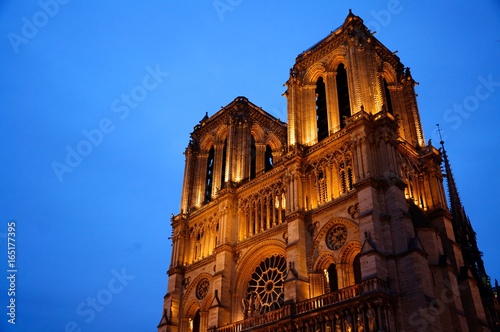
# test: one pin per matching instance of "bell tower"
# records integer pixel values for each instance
(227, 151)
(336, 221)
(354, 73)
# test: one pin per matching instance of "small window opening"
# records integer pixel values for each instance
(332, 278)
(349, 179)
(224, 157)
(388, 97)
(268, 159)
(253, 158)
(196, 322)
(321, 113)
(209, 176)
(343, 95)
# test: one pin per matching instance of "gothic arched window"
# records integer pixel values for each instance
(321, 185)
(210, 175)
(321, 113)
(346, 176)
(388, 97)
(343, 95)
(223, 173)
(268, 159)
(253, 157)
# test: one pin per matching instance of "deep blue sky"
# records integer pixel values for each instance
(111, 214)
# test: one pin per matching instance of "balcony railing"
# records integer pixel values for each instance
(269, 317)
(292, 310)
(344, 294)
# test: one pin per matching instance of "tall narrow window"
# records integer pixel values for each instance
(321, 114)
(253, 158)
(349, 178)
(346, 176)
(343, 95)
(224, 157)
(332, 278)
(321, 184)
(210, 175)
(343, 179)
(196, 322)
(388, 97)
(268, 159)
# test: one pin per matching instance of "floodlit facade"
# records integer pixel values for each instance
(335, 221)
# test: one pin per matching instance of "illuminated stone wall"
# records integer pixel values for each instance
(287, 226)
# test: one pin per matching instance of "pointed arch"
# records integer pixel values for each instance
(389, 79)
(350, 259)
(337, 57)
(318, 246)
(325, 259)
(191, 308)
(206, 143)
(246, 265)
(257, 132)
(388, 73)
(273, 141)
(314, 72)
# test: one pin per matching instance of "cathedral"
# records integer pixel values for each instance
(343, 219)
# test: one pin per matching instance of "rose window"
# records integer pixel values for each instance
(336, 237)
(266, 287)
(202, 288)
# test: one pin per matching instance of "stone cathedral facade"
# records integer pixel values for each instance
(335, 221)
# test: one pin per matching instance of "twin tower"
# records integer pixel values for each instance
(336, 221)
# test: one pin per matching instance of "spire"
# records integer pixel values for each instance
(205, 117)
(464, 233)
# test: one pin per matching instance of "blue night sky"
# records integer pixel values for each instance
(98, 98)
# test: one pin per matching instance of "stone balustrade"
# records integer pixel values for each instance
(345, 299)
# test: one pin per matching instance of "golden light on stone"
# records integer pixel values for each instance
(321, 224)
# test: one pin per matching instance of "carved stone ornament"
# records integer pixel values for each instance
(202, 288)
(336, 237)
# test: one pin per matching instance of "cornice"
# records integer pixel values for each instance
(200, 263)
(259, 182)
(320, 145)
(333, 203)
(267, 234)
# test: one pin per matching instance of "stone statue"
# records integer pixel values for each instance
(246, 307)
(256, 303)
(370, 313)
(338, 323)
(361, 326)
(349, 322)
